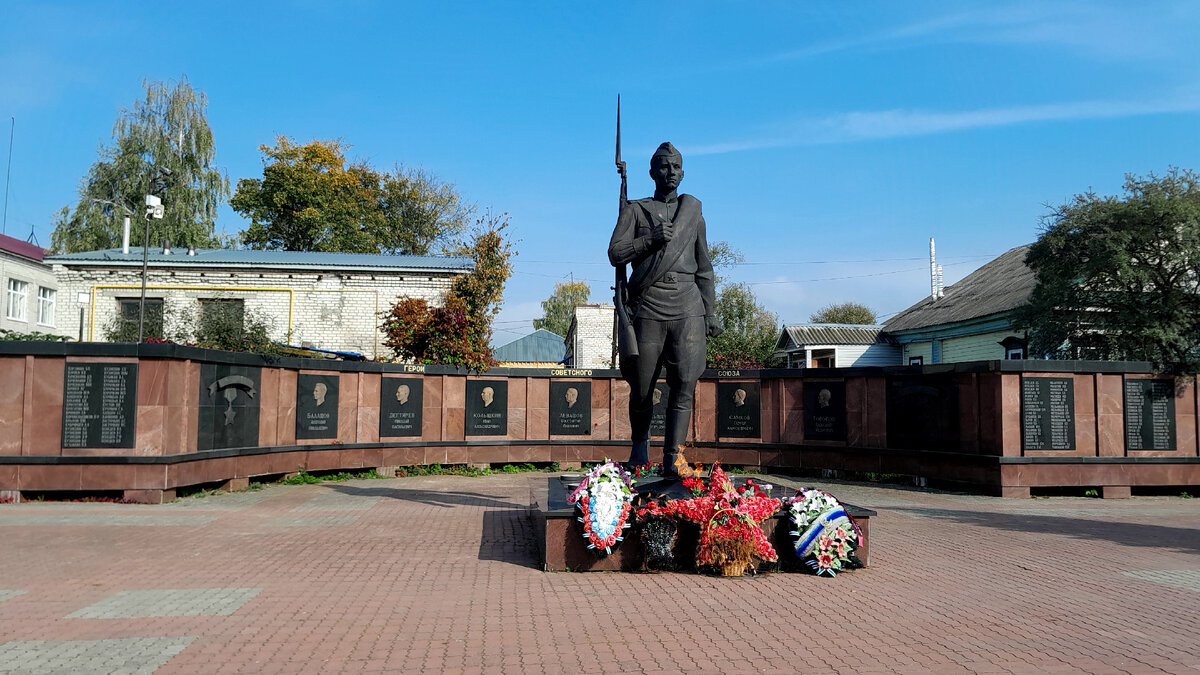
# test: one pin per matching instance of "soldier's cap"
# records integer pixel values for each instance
(664, 150)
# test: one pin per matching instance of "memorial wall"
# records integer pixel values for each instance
(175, 416)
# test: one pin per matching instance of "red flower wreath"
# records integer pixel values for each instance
(729, 522)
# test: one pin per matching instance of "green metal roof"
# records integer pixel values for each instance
(540, 346)
(246, 258)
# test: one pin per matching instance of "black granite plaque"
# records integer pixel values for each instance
(571, 408)
(922, 412)
(738, 412)
(229, 406)
(1149, 414)
(1047, 413)
(99, 405)
(400, 401)
(825, 411)
(316, 406)
(658, 417)
(487, 408)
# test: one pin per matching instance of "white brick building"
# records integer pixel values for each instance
(331, 301)
(590, 337)
(31, 298)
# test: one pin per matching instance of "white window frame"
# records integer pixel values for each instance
(1015, 353)
(17, 298)
(46, 302)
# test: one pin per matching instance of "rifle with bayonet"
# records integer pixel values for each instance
(624, 338)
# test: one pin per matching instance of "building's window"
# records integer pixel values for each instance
(127, 324)
(45, 306)
(916, 360)
(1014, 347)
(223, 317)
(824, 358)
(17, 292)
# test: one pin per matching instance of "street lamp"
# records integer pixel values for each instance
(154, 209)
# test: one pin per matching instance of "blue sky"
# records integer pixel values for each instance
(827, 142)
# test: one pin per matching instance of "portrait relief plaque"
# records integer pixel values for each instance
(824, 411)
(99, 405)
(487, 408)
(229, 406)
(571, 408)
(1047, 413)
(658, 415)
(739, 414)
(1149, 414)
(400, 401)
(316, 406)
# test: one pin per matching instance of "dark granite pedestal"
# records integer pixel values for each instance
(559, 535)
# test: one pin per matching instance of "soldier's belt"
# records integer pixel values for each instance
(674, 277)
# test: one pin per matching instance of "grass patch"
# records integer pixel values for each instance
(305, 478)
(469, 470)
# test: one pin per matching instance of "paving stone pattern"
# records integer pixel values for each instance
(118, 655)
(92, 520)
(311, 521)
(168, 602)
(1189, 579)
(439, 574)
(336, 501)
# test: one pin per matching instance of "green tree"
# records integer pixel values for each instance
(559, 308)
(311, 199)
(230, 326)
(168, 130)
(723, 256)
(1117, 277)
(459, 332)
(750, 331)
(844, 312)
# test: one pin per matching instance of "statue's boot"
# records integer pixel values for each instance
(679, 466)
(675, 464)
(639, 454)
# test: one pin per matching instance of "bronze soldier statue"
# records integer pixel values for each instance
(666, 307)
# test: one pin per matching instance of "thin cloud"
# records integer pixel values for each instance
(853, 127)
(1110, 33)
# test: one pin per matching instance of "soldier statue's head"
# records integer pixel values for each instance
(666, 168)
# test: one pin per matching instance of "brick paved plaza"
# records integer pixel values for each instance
(439, 575)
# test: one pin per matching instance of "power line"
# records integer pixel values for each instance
(853, 276)
(779, 262)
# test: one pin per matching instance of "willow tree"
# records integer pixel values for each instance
(161, 144)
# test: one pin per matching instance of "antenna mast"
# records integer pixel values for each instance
(8, 177)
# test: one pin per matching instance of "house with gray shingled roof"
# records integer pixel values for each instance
(972, 321)
(833, 345)
(328, 301)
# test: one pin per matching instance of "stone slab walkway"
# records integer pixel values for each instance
(438, 574)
